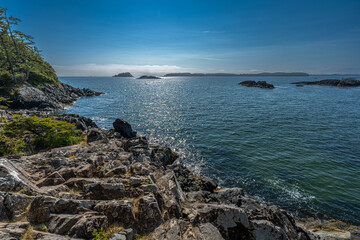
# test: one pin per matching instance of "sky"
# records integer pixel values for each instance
(102, 38)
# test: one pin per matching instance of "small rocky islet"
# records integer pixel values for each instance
(345, 82)
(259, 84)
(148, 77)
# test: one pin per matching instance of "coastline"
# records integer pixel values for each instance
(174, 194)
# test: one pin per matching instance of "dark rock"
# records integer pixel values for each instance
(13, 231)
(124, 128)
(38, 212)
(95, 134)
(120, 211)
(148, 213)
(117, 171)
(192, 183)
(355, 234)
(227, 196)
(149, 77)
(349, 82)
(53, 179)
(12, 205)
(163, 155)
(259, 84)
(80, 122)
(232, 222)
(79, 226)
(104, 191)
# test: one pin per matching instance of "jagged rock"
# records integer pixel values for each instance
(48, 97)
(117, 171)
(175, 229)
(163, 155)
(53, 179)
(38, 212)
(87, 171)
(227, 196)
(148, 213)
(138, 142)
(104, 191)
(231, 221)
(192, 183)
(149, 188)
(95, 134)
(209, 231)
(12, 231)
(126, 234)
(80, 226)
(120, 211)
(263, 229)
(355, 234)
(171, 192)
(82, 123)
(55, 190)
(137, 181)
(9, 182)
(15, 204)
(87, 224)
(139, 169)
(80, 182)
(124, 128)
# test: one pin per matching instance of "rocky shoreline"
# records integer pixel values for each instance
(47, 96)
(118, 182)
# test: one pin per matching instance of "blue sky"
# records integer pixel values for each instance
(88, 37)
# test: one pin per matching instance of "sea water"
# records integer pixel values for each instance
(297, 147)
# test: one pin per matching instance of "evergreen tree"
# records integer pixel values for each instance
(19, 58)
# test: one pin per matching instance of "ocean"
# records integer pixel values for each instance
(297, 147)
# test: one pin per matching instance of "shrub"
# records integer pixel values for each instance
(4, 103)
(101, 235)
(32, 134)
(10, 146)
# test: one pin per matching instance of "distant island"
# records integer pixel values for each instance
(235, 74)
(124, 74)
(345, 82)
(148, 77)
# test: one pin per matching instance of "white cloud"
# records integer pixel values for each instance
(112, 69)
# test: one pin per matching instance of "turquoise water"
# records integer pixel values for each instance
(298, 147)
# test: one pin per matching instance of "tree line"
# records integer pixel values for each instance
(20, 59)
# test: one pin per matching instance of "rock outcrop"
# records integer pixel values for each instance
(114, 180)
(124, 128)
(259, 84)
(49, 97)
(345, 82)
